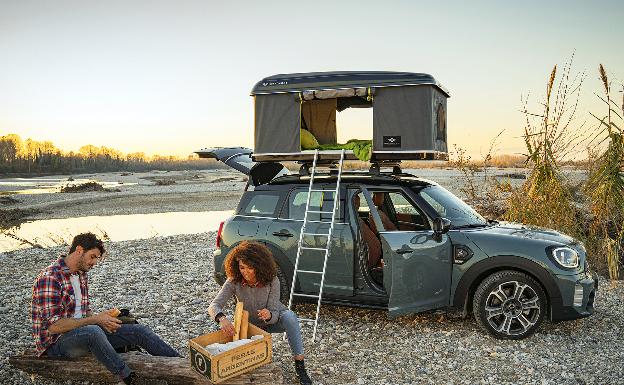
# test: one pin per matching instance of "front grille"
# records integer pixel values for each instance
(578, 295)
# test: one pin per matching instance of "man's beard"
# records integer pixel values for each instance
(83, 266)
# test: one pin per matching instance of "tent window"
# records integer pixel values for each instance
(440, 122)
(318, 112)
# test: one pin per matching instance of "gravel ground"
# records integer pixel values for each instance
(169, 280)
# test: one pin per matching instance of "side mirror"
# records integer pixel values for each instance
(441, 225)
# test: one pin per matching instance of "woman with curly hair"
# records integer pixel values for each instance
(251, 277)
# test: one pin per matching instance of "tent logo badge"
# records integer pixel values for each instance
(276, 83)
(392, 141)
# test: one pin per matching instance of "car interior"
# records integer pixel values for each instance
(397, 214)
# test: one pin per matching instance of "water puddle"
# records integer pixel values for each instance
(52, 232)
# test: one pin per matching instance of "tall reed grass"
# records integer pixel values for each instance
(605, 184)
(545, 199)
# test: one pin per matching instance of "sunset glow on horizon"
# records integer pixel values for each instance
(170, 78)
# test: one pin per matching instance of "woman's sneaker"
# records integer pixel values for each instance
(304, 379)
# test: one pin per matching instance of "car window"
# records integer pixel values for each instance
(319, 201)
(401, 204)
(449, 206)
(406, 215)
(260, 204)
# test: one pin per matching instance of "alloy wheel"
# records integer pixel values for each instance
(512, 308)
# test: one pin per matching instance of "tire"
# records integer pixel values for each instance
(284, 285)
(509, 305)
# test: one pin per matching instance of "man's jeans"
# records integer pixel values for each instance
(288, 323)
(92, 338)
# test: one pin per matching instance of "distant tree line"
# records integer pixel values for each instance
(29, 156)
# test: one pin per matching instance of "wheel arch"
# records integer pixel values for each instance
(464, 293)
(283, 262)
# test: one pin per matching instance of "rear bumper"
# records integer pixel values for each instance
(578, 293)
(217, 262)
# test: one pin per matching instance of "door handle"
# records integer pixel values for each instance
(404, 250)
(282, 234)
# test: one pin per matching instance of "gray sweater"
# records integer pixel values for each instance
(254, 298)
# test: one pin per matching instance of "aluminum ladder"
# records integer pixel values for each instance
(301, 247)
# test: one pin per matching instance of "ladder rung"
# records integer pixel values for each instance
(315, 234)
(309, 271)
(306, 295)
(313, 248)
(324, 222)
(307, 320)
(317, 190)
(320, 212)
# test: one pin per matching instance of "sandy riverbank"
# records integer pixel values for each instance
(159, 191)
(133, 193)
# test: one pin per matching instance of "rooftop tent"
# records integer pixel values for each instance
(409, 113)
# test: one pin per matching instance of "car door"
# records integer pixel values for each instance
(417, 264)
(284, 233)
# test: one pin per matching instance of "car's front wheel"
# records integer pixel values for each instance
(509, 305)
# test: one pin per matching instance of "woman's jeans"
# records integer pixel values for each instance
(288, 323)
(92, 338)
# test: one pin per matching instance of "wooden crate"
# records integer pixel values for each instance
(220, 367)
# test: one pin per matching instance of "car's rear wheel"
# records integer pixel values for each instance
(284, 286)
(509, 305)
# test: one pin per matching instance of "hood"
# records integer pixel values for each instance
(531, 232)
(506, 238)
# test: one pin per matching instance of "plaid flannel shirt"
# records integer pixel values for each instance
(53, 299)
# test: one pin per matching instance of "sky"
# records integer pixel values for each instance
(170, 77)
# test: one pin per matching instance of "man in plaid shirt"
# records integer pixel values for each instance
(63, 324)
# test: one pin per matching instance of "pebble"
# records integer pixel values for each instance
(353, 346)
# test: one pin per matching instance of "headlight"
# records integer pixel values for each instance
(566, 257)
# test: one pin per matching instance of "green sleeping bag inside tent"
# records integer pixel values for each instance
(361, 148)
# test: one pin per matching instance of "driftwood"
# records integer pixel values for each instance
(176, 371)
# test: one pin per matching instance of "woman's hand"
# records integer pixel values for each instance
(226, 326)
(264, 314)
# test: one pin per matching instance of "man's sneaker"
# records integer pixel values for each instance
(304, 379)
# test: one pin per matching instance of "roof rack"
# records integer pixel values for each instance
(375, 167)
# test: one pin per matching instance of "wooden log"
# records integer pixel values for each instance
(174, 370)
(244, 324)
(238, 316)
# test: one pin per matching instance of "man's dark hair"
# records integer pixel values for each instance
(87, 241)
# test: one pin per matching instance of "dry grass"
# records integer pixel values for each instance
(84, 187)
(498, 161)
(605, 185)
(546, 199)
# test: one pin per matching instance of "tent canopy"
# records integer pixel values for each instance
(409, 112)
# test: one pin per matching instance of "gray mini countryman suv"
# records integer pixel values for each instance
(407, 245)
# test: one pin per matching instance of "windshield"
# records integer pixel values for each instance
(451, 207)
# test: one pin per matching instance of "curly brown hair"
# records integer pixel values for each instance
(255, 255)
